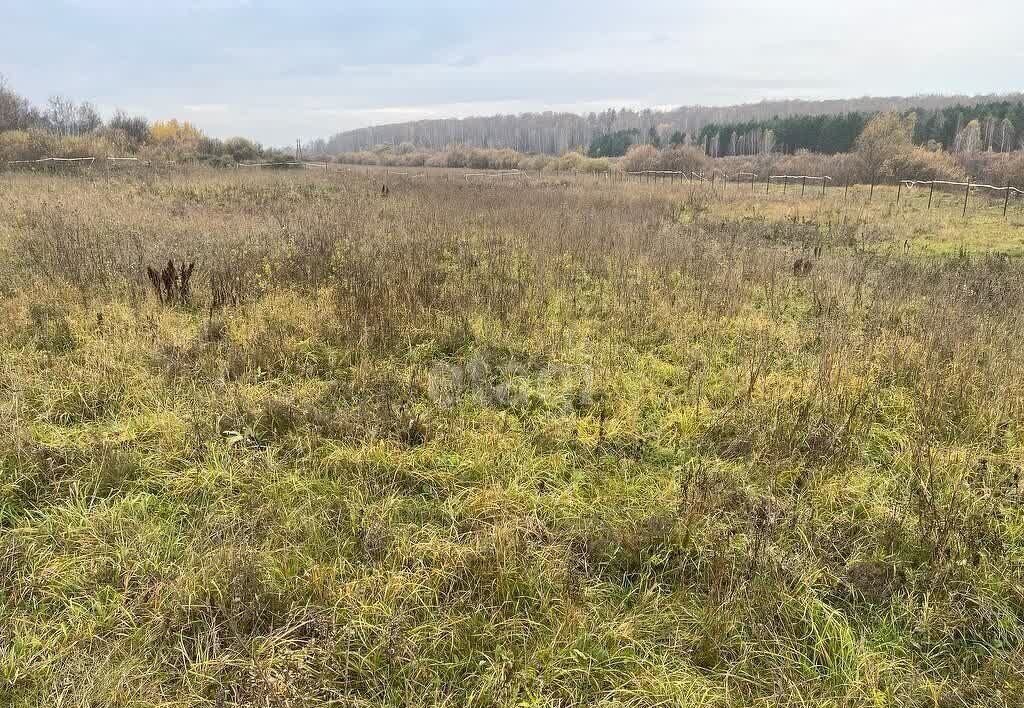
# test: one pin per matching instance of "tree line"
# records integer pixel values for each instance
(884, 150)
(554, 133)
(66, 128)
(992, 126)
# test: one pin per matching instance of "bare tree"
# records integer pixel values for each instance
(135, 127)
(969, 139)
(61, 115)
(990, 132)
(16, 113)
(1005, 135)
(87, 119)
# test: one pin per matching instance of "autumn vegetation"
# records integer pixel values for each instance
(829, 126)
(68, 129)
(883, 151)
(944, 138)
(380, 437)
(289, 439)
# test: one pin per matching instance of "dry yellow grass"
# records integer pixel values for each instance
(564, 442)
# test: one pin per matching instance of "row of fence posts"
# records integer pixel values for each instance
(655, 175)
(648, 176)
(1007, 190)
(642, 176)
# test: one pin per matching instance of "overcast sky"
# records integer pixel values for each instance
(278, 70)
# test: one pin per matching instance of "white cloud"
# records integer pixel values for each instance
(237, 68)
(207, 108)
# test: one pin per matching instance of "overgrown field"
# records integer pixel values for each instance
(495, 444)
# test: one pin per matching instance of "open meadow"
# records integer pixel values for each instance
(555, 441)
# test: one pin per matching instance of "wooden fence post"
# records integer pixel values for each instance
(1006, 199)
(967, 193)
(899, 193)
(930, 193)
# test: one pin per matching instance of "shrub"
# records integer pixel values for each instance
(478, 160)
(683, 159)
(35, 144)
(884, 141)
(639, 157)
(135, 128)
(536, 162)
(242, 150)
(457, 156)
(995, 168)
(922, 164)
(181, 136)
(22, 145)
(437, 159)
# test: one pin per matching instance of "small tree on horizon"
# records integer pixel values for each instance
(884, 140)
(653, 138)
